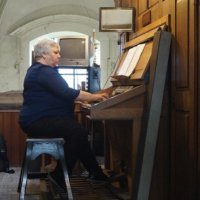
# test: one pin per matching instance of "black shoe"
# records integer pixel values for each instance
(85, 174)
(99, 179)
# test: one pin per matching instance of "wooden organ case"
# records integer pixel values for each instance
(131, 115)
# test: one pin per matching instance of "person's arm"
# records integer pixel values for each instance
(89, 97)
(52, 81)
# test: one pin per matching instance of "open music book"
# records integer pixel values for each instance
(127, 66)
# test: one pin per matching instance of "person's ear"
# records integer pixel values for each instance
(44, 56)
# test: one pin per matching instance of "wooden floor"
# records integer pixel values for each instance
(82, 189)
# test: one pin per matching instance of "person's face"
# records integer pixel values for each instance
(53, 57)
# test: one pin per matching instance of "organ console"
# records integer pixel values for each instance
(132, 112)
(130, 117)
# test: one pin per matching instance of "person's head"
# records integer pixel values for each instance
(47, 52)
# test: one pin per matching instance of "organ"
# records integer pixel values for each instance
(131, 115)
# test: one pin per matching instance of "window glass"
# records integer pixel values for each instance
(66, 71)
(80, 71)
(69, 79)
(81, 82)
(76, 78)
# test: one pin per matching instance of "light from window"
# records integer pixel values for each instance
(75, 77)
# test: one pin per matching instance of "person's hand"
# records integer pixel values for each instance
(89, 97)
(102, 96)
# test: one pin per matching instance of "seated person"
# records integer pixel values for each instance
(48, 108)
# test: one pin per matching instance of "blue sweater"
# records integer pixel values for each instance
(46, 94)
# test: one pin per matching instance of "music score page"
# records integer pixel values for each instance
(129, 64)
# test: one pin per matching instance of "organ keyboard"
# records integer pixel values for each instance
(119, 104)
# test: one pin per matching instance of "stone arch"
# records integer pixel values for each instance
(55, 23)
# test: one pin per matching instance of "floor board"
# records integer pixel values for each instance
(82, 189)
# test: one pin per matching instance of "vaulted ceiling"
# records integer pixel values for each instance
(16, 13)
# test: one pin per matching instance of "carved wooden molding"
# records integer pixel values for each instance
(148, 31)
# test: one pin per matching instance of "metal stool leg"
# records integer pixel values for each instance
(22, 171)
(64, 167)
(25, 172)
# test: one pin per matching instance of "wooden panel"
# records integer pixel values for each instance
(184, 133)
(182, 34)
(142, 6)
(127, 105)
(146, 18)
(158, 9)
(147, 32)
(184, 178)
(14, 137)
(153, 2)
(183, 173)
(123, 143)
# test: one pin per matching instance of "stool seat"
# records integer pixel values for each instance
(36, 147)
(45, 146)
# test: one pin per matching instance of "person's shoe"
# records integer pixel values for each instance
(85, 174)
(99, 179)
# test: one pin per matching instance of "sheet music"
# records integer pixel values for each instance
(130, 61)
(127, 60)
(135, 59)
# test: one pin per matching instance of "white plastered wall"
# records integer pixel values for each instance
(14, 45)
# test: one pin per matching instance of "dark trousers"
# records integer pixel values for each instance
(76, 140)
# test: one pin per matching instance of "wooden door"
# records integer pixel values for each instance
(183, 172)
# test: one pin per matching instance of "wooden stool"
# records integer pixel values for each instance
(34, 148)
